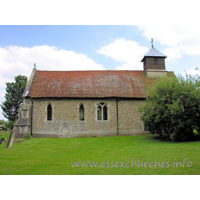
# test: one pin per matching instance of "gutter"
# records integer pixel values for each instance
(31, 116)
(117, 118)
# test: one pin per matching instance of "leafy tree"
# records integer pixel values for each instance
(13, 97)
(172, 107)
(2, 122)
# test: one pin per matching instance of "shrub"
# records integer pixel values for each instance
(1, 135)
(27, 136)
(172, 108)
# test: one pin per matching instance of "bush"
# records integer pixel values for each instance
(1, 135)
(27, 136)
(8, 125)
(172, 108)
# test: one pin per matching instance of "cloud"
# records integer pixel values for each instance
(192, 72)
(2, 94)
(129, 52)
(179, 39)
(15, 60)
(172, 53)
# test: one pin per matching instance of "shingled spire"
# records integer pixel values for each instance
(154, 63)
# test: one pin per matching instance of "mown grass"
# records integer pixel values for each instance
(54, 156)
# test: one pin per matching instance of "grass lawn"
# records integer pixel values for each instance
(55, 155)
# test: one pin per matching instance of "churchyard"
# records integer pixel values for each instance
(127, 155)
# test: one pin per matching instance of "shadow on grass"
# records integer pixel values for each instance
(157, 137)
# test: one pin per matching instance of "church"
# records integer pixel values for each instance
(87, 103)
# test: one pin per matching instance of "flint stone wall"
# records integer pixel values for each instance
(65, 118)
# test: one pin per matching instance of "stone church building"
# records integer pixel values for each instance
(87, 103)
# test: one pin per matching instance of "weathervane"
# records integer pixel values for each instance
(152, 42)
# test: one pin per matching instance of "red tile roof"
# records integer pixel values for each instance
(89, 84)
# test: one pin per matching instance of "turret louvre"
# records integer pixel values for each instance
(154, 63)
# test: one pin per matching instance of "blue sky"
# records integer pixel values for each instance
(94, 47)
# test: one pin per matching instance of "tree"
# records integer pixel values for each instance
(13, 97)
(172, 107)
(5, 123)
(2, 122)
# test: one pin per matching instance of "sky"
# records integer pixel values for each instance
(94, 47)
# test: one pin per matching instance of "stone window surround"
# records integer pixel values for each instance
(53, 108)
(108, 111)
(78, 106)
(81, 113)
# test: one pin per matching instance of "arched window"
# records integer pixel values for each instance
(102, 111)
(99, 112)
(81, 112)
(49, 112)
(105, 113)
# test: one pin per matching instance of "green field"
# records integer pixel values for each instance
(114, 155)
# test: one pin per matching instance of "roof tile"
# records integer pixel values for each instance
(90, 84)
